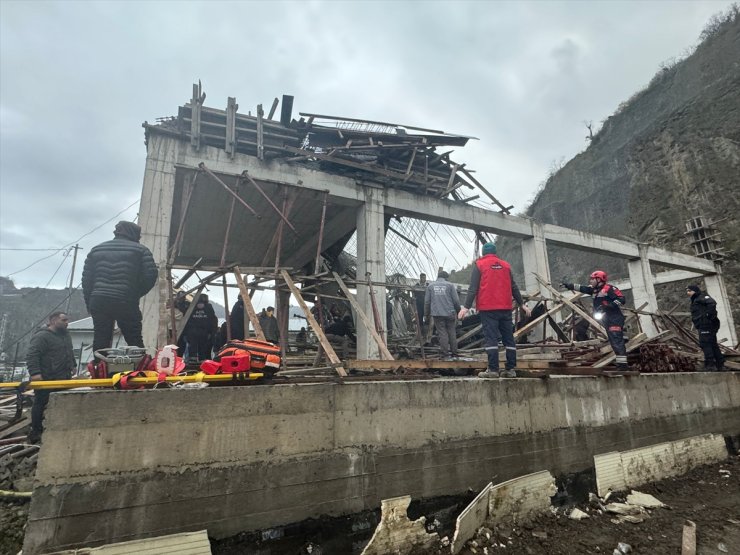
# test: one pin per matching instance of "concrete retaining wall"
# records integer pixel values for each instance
(121, 465)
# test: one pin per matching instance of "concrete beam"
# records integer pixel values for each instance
(680, 261)
(370, 258)
(589, 242)
(643, 290)
(660, 278)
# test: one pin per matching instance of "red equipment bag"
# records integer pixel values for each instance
(263, 355)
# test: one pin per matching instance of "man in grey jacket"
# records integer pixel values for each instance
(441, 302)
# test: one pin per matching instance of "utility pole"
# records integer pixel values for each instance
(72, 276)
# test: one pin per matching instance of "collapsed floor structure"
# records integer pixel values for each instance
(274, 203)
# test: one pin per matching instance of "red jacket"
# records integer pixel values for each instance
(492, 285)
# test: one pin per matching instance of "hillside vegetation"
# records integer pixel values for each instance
(670, 152)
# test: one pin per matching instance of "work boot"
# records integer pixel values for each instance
(34, 437)
(508, 373)
(489, 374)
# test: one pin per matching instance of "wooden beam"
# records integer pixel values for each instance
(688, 538)
(249, 308)
(595, 323)
(260, 133)
(323, 341)
(274, 106)
(189, 311)
(384, 352)
(632, 344)
(230, 137)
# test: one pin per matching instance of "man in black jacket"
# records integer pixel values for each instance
(117, 274)
(200, 329)
(50, 357)
(704, 316)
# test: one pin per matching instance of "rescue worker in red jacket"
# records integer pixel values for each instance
(608, 303)
(492, 288)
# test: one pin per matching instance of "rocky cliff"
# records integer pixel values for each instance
(669, 153)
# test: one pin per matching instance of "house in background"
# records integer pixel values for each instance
(81, 332)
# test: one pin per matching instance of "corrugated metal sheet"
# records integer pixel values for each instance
(189, 543)
(616, 471)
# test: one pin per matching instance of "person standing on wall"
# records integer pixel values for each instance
(492, 287)
(608, 303)
(50, 357)
(116, 275)
(706, 322)
(441, 302)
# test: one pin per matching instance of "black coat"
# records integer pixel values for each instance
(50, 354)
(118, 270)
(704, 312)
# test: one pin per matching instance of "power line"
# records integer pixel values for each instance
(28, 250)
(73, 242)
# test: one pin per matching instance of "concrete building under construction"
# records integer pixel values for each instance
(278, 198)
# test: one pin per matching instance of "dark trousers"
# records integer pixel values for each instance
(200, 344)
(498, 326)
(105, 313)
(40, 400)
(615, 333)
(713, 357)
(445, 326)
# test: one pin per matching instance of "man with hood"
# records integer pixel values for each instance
(200, 329)
(269, 325)
(116, 275)
(706, 322)
(492, 287)
(442, 302)
(50, 357)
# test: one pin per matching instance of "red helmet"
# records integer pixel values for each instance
(599, 275)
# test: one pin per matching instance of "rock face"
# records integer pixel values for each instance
(669, 153)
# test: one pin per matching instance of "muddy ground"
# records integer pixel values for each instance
(706, 495)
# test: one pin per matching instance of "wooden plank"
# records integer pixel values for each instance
(274, 106)
(384, 352)
(249, 308)
(12, 428)
(328, 349)
(688, 538)
(189, 311)
(230, 137)
(632, 344)
(260, 133)
(541, 317)
(598, 327)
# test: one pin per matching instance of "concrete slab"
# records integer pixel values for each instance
(521, 499)
(230, 459)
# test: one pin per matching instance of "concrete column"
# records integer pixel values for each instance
(643, 289)
(715, 286)
(155, 214)
(370, 258)
(534, 257)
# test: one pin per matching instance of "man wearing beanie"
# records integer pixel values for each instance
(441, 302)
(706, 322)
(116, 275)
(492, 288)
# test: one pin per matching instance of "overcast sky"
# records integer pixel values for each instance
(77, 79)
